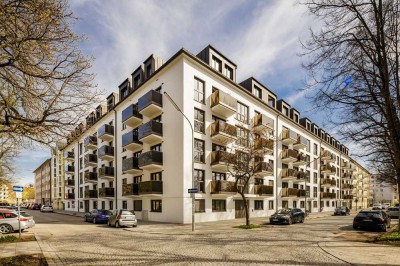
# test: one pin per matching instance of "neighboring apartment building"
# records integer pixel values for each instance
(58, 188)
(4, 193)
(135, 150)
(43, 180)
(382, 191)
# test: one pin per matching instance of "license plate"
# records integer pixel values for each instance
(128, 218)
(275, 220)
(367, 220)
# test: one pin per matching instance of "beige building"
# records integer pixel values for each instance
(4, 193)
(57, 184)
(43, 182)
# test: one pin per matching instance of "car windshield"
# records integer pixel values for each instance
(283, 211)
(126, 213)
(104, 212)
(369, 215)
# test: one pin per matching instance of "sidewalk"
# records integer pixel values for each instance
(19, 248)
(71, 213)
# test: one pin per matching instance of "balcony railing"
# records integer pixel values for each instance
(301, 159)
(70, 168)
(131, 116)
(223, 133)
(70, 196)
(130, 141)
(106, 192)
(289, 137)
(289, 192)
(106, 152)
(150, 158)
(300, 143)
(263, 123)
(130, 165)
(90, 194)
(328, 195)
(106, 132)
(90, 159)
(70, 182)
(222, 187)
(347, 197)
(150, 132)
(289, 155)
(222, 157)
(90, 177)
(151, 187)
(130, 189)
(150, 104)
(325, 155)
(106, 171)
(287, 173)
(68, 155)
(223, 104)
(347, 186)
(264, 145)
(90, 142)
(263, 190)
(266, 168)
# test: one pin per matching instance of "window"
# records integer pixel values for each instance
(218, 176)
(124, 181)
(156, 206)
(315, 204)
(137, 179)
(136, 82)
(308, 145)
(285, 111)
(216, 64)
(218, 205)
(103, 205)
(111, 205)
(243, 137)
(198, 120)
(315, 149)
(259, 205)
(302, 204)
(296, 118)
(271, 101)
(315, 178)
(270, 204)
(294, 204)
(198, 90)
(200, 205)
(199, 151)
(137, 205)
(228, 72)
(199, 176)
(242, 113)
(257, 92)
(156, 147)
(156, 176)
(124, 204)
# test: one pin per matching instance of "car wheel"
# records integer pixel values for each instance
(85, 219)
(94, 220)
(108, 223)
(355, 227)
(6, 229)
(117, 224)
(302, 220)
(290, 221)
(384, 229)
(271, 223)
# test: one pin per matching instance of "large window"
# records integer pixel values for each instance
(198, 120)
(156, 206)
(218, 176)
(199, 176)
(259, 205)
(216, 64)
(199, 151)
(257, 92)
(315, 149)
(218, 205)
(243, 137)
(199, 90)
(242, 113)
(156, 176)
(200, 205)
(270, 205)
(137, 205)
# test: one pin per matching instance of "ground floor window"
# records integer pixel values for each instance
(199, 177)
(270, 204)
(294, 204)
(302, 204)
(322, 204)
(124, 204)
(111, 205)
(103, 205)
(156, 206)
(200, 205)
(81, 205)
(69, 205)
(137, 205)
(259, 205)
(327, 204)
(315, 204)
(285, 204)
(218, 205)
(94, 204)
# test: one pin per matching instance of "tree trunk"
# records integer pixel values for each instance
(398, 196)
(246, 209)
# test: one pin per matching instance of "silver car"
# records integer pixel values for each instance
(393, 212)
(122, 217)
(46, 208)
(9, 221)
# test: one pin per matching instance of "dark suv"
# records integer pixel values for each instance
(287, 216)
(375, 219)
(343, 210)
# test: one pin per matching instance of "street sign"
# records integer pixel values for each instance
(193, 190)
(18, 195)
(18, 188)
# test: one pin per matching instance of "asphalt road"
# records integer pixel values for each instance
(67, 240)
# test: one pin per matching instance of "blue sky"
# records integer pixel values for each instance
(261, 37)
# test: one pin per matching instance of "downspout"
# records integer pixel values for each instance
(116, 159)
(319, 179)
(276, 161)
(78, 176)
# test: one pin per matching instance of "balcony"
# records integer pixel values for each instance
(130, 190)
(222, 104)
(150, 104)
(91, 194)
(151, 161)
(347, 187)
(326, 155)
(151, 188)
(90, 177)
(325, 182)
(90, 160)
(326, 169)
(220, 160)
(69, 156)
(347, 177)
(90, 142)
(131, 166)
(262, 124)
(289, 156)
(290, 192)
(348, 197)
(301, 177)
(106, 172)
(131, 116)
(264, 146)
(289, 137)
(352, 168)
(151, 132)
(289, 174)
(130, 141)
(69, 183)
(223, 187)
(301, 142)
(223, 133)
(345, 165)
(264, 169)
(263, 190)
(300, 160)
(106, 153)
(333, 170)
(106, 132)
(70, 196)
(69, 169)
(328, 195)
(106, 192)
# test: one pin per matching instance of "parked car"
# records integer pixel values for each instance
(122, 217)
(287, 216)
(377, 206)
(385, 205)
(47, 208)
(343, 210)
(35, 206)
(376, 219)
(9, 221)
(97, 216)
(393, 212)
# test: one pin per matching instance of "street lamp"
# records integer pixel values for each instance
(191, 127)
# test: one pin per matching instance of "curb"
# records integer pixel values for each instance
(48, 252)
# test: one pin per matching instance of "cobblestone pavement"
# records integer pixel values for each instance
(67, 240)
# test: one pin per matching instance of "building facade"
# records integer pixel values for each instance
(135, 150)
(383, 192)
(43, 183)
(58, 188)
(4, 193)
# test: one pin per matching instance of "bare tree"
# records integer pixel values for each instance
(354, 62)
(45, 84)
(7, 153)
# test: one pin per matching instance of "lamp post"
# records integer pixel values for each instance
(191, 127)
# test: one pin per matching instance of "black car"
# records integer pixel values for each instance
(97, 216)
(343, 210)
(36, 206)
(287, 216)
(376, 219)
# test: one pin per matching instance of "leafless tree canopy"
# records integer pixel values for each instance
(45, 86)
(359, 39)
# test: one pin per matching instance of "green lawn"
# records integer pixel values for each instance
(31, 260)
(391, 236)
(250, 226)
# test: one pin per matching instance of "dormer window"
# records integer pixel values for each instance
(136, 81)
(296, 118)
(110, 104)
(216, 64)
(228, 72)
(148, 71)
(271, 101)
(124, 92)
(308, 126)
(285, 111)
(257, 92)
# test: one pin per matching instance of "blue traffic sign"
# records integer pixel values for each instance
(18, 188)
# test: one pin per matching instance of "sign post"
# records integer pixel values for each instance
(18, 194)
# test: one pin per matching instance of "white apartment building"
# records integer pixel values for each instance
(135, 150)
(4, 193)
(383, 192)
(58, 189)
(43, 175)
